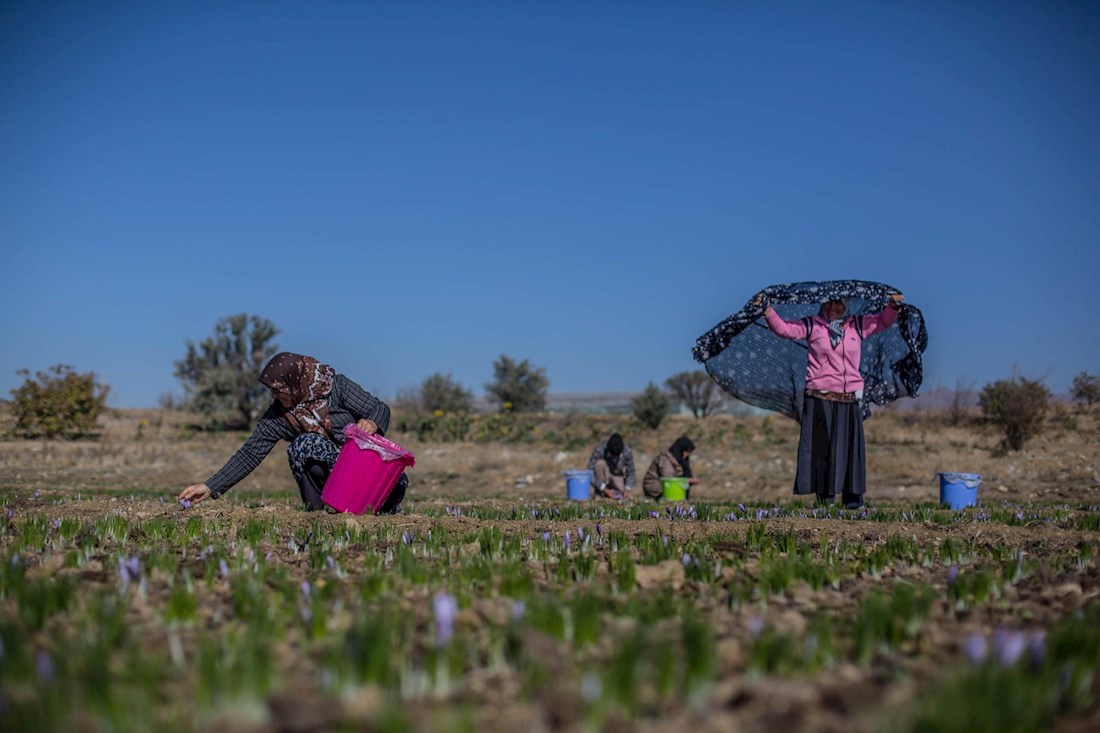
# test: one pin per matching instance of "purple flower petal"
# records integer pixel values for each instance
(952, 574)
(754, 625)
(446, 609)
(44, 667)
(1011, 648)
(976, 648)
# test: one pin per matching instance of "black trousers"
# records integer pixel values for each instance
(313, 483)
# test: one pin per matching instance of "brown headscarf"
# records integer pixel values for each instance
(307, 383)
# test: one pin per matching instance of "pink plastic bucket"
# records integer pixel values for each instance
(365, 473)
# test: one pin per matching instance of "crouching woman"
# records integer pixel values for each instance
(311, 405)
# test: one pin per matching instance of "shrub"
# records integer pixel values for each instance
(1086, 388)
(58, 402)
(651, 406)
(517, 386)
(221, 375)
(698, 391)
(441, 393)
(1017, 406)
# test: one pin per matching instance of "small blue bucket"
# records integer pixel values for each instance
(578, 485)
(959, 490)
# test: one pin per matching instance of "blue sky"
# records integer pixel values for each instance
(408, 188)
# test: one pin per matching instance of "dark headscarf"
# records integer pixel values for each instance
(308, 383)
(682, 444)
(615, 444)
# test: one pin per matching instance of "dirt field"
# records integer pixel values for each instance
(491, 603)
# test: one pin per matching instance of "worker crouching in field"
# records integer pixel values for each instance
(612, 467)
(312, 404)
(676, 461)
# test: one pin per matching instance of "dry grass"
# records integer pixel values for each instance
(738, 458)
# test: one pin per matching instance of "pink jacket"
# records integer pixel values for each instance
(829, 369)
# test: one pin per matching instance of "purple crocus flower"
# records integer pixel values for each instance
(685, 559)
(518, 608)
(599, 532)
(546, 536)
(446, 609)
(580, 533)
(56, 524)
(44, 667)
(1011, 647)
(129, 570)
(405, 539)
(654, 515)
(976, 648)
(306, 588)
(754, 625)
(567, 540)
(224, 568)
(307, 615)
(952, 574)
(741, 507)
(36, 494)
(11, 513)
(185, 504)
(330, 562)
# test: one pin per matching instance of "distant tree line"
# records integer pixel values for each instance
(220, 377)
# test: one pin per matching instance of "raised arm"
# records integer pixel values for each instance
(882, 320)
(784, 329)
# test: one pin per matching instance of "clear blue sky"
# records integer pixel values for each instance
(406, 188)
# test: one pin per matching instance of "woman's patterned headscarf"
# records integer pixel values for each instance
(308, 383)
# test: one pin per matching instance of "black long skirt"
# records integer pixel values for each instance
(832, 453)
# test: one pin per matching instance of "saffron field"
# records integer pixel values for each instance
(491, 603)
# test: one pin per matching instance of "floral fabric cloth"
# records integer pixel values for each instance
(759, 368)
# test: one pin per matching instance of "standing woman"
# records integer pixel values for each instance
(676, 461)
(312, 404)
(832, 455)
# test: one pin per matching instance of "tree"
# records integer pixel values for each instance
(221, 375)
(698, 391)
(961, 399)
(651, 406)
(1017, 406)
(1086, 388)
(441, 392)
(517, 386)
(58, 402)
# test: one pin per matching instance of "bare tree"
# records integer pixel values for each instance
(698, 391)
(962, 399)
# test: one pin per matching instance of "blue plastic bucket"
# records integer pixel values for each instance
(959, 490)
(578, 485)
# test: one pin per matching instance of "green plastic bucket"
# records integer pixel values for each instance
(674, 488)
